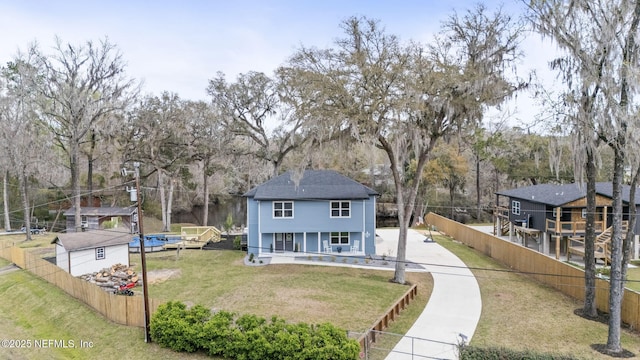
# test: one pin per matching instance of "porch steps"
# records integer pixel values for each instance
(602, 244)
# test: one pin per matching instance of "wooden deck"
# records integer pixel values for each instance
(195, 237)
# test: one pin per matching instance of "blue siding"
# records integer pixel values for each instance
(313, 218)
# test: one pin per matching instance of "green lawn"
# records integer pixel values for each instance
(33, 309)
(520, 313)
(349, 298)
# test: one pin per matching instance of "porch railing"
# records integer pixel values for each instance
(571, 227)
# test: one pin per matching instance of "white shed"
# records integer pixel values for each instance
(90, 251)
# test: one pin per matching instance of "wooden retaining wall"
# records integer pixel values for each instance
(390, 315)
(561, 276)
(124, 310)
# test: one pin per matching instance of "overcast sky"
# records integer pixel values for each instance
(178, 45)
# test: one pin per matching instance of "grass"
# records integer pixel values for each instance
(349, 298)
(520, 313)
(33, 309)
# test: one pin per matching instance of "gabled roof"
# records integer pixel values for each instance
(314, 185)
(102, 211)
(557, 195)
(92, 239)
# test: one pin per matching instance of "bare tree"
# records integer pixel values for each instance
(262, 110)
(25, 144)
(83, 85)
(600, 71)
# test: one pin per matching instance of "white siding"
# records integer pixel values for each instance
(62, 258)
(84, 261)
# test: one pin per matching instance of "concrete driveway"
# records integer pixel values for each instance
(455, 305)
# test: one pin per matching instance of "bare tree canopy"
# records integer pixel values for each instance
(83, 85)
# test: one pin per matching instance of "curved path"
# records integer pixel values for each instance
(455, 305)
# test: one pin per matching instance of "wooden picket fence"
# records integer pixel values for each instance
(566, 278)
(124, 310)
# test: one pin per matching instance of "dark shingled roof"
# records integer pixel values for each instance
(557, 195)
(91, 239)
(314, 185)
(102, 211)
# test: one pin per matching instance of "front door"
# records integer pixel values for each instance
(283, 242)
(288, 242)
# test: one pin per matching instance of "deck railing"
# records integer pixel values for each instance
(571, 227)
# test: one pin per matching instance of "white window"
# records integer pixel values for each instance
(339, 238)
(515, 207)
(100, 255)
(283, 209)
(584, 213)
(340, 209)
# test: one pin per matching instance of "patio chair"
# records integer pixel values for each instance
(356, 246)
(325, 246)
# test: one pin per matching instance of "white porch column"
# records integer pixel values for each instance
(304, 242)
(259, 230)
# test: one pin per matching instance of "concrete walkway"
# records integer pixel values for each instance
(455, 305)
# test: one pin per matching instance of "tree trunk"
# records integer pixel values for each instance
(590, 308)
(25, 205)
(163, 203)
(205, 207)
(169, 205)
(478, 197)
(401, 255)
(75, 184)
(627, 247)
(90, 160)
(5, 201)
(616, 283)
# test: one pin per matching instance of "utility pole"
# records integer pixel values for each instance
(145, 288)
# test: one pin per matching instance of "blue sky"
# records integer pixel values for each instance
(178, 45)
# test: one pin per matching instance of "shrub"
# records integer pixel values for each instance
(237, 243)
(251, 257)
(248, 336)
(178, 328)
(493, 353)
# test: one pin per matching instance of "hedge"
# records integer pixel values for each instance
(247, 337)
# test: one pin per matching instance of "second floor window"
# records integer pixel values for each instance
(340, 209)
(283, 209)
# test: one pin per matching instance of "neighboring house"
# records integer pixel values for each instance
(554, 213)
(94, 217)
(90, 251)
(322, 212)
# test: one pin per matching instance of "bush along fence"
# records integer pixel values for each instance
(566, 278)
(124, 310)
(248, 337)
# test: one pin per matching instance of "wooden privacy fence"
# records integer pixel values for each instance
(124, 310)
(564, 277)
(390, 315)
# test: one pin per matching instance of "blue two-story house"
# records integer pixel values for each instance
(322, 212)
